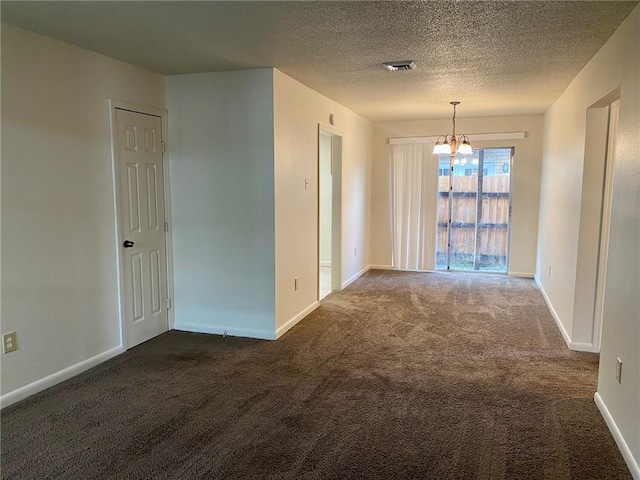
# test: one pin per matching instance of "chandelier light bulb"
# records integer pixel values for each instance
(442, 147)
(465, 147)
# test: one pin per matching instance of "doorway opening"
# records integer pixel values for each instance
(605, 222)
(594, 222)
(474, 211)
(329, 211)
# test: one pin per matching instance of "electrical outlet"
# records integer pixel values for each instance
(549, 270)
(296, 284)
(9, 342)
(619, 370)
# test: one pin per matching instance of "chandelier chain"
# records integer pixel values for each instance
(454, 120)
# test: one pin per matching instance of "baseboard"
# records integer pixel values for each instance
(522, 274)
(222, 330)
(380, 267)
(353, 278)
(413, 270)
(554, 314)
(287, 326)
(57, 377)
(575, 346)
(325, 263)
(632, 463)
(582, 347)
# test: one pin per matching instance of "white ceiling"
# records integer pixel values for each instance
(497, 58)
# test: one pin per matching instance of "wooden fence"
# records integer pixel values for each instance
(491, 245)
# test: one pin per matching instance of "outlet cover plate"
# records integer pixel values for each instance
(9, 342)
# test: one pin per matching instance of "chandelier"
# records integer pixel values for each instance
(449, 145)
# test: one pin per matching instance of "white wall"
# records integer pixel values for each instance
(221, 154)
(59, 284)
(325, 199)
(298, 111)
(525, 180)
(616, 64)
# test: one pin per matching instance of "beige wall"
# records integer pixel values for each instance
(59, 283)
(254, 213)
(617, 64)
(221, 150)
(525, 180)
(297, 111)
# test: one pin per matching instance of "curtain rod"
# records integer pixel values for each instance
(473, 138)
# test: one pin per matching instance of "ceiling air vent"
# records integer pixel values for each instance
(395, 66)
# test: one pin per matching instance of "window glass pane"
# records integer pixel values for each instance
(494, 216)
(477, 238)
(443, 212)
(463, 212)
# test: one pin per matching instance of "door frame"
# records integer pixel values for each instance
(163, 115)
(605, 223)
(336, 209)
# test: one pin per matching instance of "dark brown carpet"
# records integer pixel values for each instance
(402, 375)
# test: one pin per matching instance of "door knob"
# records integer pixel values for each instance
(128, 244)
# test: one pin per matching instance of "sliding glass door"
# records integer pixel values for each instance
(474, 211)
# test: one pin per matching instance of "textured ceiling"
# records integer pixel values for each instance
(497, 58)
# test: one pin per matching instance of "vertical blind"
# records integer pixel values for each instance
(414, 187)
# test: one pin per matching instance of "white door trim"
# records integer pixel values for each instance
(605, 224)
(336, 207)
(163, 114)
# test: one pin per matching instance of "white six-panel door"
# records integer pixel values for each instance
(142, 217)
